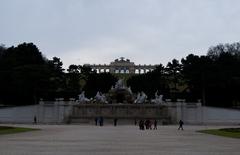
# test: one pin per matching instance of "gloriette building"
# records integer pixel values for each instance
(122, 66)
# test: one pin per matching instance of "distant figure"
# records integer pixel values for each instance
(147, 124)
(115, 121)
(180, 125)
(150, 124)
(155, 125)
(141, 125)
(101, 121)
(96, 121)
(35, 119)
(135, 121)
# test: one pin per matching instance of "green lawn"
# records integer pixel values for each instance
(11, 130)
(226, 132)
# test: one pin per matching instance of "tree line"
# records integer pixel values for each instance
(26, 76)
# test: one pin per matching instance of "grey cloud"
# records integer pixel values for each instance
(146, 31)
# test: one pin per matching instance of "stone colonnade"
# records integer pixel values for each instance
(136, 69)
(122, 66)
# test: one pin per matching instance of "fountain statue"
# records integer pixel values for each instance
(158, 98)
(138, 98)
(119, 84)
(141, 98)
(100, 97)
(129, 90)
(82, 98)
(120, 93)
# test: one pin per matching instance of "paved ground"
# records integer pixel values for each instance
(109, 140)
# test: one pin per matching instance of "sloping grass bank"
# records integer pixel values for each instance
(226, 132)
(11, 130)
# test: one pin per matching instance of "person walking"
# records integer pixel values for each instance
(180, 125)
(141, 125)
(115, 121)
(150, 124)
(35, 119)
(146, 123)
(135, 121)
(96, 121)
(101, 121)
(155, 125)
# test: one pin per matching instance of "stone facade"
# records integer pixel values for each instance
(122, 66)
(72, 112)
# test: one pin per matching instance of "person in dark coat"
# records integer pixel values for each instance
(115, 121)
(35, 119)
(146, 124)
(180, 125)
(101, 121)
(96, 121)
(155, 125)
(150, 124)
(141, 125)
(135, 121)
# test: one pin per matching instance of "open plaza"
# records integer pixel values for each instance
(119, 140)
(104, 77)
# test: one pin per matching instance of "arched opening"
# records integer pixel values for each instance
(136, 71)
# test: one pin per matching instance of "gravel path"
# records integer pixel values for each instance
(109, 140)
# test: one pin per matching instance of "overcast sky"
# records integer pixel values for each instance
(99, 31)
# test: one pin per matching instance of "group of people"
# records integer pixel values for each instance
(99, 120)
(143, 124)
(147, 124)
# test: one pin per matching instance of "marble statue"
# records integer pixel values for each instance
(100, 97)
(138, 98)
(129, 90)
(119, 84)
(158, 98)
(141, 98)
(82, 98)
